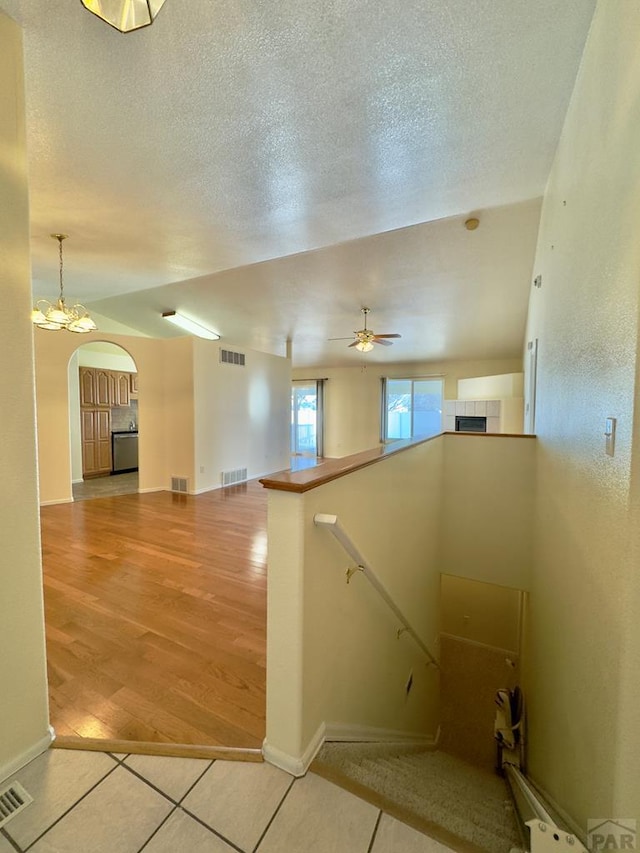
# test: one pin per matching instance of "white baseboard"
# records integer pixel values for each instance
(153, 489)
(54, 503)
(17, 763)
(210, 489)
(371, 734)
(294, 766)
(75, 482)
(340, 732)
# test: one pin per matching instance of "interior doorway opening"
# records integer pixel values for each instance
(103, 421)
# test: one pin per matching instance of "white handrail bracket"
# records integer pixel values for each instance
(547, 838)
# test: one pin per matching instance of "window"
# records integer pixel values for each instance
(411, 408)
(306, 417)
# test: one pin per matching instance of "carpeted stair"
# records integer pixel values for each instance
(462, 806)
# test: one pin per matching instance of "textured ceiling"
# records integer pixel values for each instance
(230, 134)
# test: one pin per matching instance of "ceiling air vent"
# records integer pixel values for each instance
(180, 485)
(238, 475)
(13, 798)
(227, 356)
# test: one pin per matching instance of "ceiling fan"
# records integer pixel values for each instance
(366, 338)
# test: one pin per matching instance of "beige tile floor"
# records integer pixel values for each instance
(91, 802)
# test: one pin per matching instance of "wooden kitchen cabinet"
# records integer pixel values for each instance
(121, 394)
(104, 393)
(87, 386)
(100, 387)
(133, 384)
(96, 442)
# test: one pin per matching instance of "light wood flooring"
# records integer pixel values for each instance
(156, 616)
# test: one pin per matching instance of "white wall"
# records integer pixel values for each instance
(241, 414)
(584, 644)
(353, 396)
(23, 691)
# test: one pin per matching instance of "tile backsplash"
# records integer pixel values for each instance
(122, 416)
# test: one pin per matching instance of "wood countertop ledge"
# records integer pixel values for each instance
(332, 469)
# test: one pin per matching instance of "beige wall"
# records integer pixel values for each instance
(241, 414)
(192, 412)
(584, 641)
(479, 612)
(333, 656)
(53, 352)
(75, 428)
(333, 653)
(503, 385)
(488, 503)
(352, 396)
(23, 691)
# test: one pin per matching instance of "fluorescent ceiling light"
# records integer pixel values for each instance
(190, 326)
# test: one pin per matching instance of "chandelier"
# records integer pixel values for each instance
(125, 15)
(56, 316)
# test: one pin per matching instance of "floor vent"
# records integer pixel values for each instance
(238, 475)
(180, 484)
(229, 357)
(13, 799)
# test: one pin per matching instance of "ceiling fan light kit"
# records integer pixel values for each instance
(57, 316)
(366, 338)
(125, 15)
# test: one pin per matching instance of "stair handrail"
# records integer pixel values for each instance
(333, 525)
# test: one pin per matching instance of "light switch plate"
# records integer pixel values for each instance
(610, 436)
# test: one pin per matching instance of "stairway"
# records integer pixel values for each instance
(464, 807)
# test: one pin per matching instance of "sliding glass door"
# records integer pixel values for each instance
(411, 407)
(306, 418)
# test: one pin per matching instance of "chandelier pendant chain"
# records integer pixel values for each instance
(60, 238)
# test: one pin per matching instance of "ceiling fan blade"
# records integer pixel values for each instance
(384, 343)
(354, 344)
(388, 336)
(341, 339)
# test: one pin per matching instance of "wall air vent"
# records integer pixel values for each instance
(227, 356)
(180, 485)
(238, 475)
(13, 798)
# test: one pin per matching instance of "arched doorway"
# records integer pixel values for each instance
(103, 421)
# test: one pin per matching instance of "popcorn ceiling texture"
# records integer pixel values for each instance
(230, 133)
